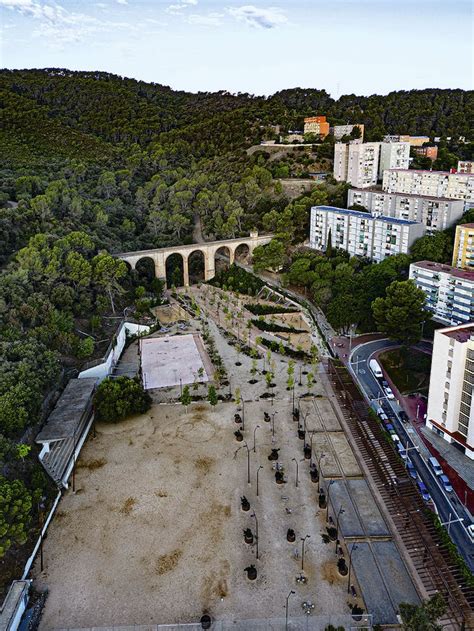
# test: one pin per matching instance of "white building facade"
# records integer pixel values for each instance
(430, 183)
(362, 234)
(339, 131)
(394, 155)
(434, 212)
(449, 291)
(450, 407)
(357, 163)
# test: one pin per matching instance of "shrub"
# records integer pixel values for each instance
(118, 398)
(269, 309)
(274, 328)
(85, 348)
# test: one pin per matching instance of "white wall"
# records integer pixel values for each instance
(126, 329)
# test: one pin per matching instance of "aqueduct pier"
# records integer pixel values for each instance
(209, 250)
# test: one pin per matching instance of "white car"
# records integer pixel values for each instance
(470, 532)
(388, 393)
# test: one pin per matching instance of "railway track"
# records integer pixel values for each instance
(429, 553)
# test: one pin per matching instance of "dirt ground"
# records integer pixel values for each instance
(154, 533)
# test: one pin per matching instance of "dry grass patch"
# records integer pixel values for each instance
(168, 562)
(92, 465)
(128, 506)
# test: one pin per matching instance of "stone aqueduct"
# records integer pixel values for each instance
(208, 250)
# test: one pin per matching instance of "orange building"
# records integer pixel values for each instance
(427, 152)
(316, 125)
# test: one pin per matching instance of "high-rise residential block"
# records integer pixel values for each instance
(449, 291)
(316, 125)
(431, 183)
(463, 253)
(394, 155)
(357, 163)
(434, 212)
(450, 406)
(339, 131)
(361, 234)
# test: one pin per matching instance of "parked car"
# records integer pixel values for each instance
(434, 464)
(470, 532)
(446, 483)
(403, 416)
(411, 469)
(389, 427)
(388, 393)
(424, 491)
(402, 450)
(383, 416)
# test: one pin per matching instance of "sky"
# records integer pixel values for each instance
(260, 47)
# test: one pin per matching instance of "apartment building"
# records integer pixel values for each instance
(427, 152)
(316, 125)
(339, 131)
(434, 212)
(465, 166)
(449, 291)
(450, 407)
(394, 155)
(414, 141)
(463, 253)
(430, 183)
(357, 162)
(362, 234)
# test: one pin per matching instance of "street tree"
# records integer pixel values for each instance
(423, 617)
(401, 313)
(185, 397)
(212, 395)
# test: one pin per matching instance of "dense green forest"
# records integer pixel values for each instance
(93, 164)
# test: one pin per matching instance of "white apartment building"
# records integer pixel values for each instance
(362, 234)
(430, 183)
(434, 212)
(450, 407)
(394, 155)
(357, 163)
(465, 166)
(463, 251)
(339, 131)
(449, 291)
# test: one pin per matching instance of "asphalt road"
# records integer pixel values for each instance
(447, 505)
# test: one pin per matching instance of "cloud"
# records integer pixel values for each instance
(180, 5)
(268, 18)
(211, 19)
(121, 1)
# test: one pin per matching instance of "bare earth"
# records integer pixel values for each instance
(154, 533)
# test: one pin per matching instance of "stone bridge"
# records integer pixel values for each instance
(209, 250)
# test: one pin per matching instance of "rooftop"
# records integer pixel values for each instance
(447, 269)
(469, 226)
(66, 417)
(362, 215)
(374, 189)
(460, 333)
(433, 172)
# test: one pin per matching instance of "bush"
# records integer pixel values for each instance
(269, 309)
(237, 279)
(275, 328)
(118, 398)
(15, 513)
(85, 348)
(276, 347)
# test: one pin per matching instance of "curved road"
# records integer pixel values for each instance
(448, 507)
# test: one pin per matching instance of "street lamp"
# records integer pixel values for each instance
(327, 499)
(243, 414)
(303, 539)
(41, 507)
(296, 481)
(254, 431)
(256, 533)
(258, 471)
(354, 547)
(286, 609)
(322, 455)
(273, 423)
(340, 511)
(248, 459)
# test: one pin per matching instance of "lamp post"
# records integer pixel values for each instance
(256, 533)
(243, 414)
(258, 471)
(303, 539)
(248, 459)
(327, 499)
(286, 609)
(254, 431)
(296, 480)
(293, 404)
(74, 461)
(41, 507)
(273, 423)
(354, 547)
(340, 511)
(319, 469)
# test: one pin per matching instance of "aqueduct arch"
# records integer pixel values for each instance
(208, 250)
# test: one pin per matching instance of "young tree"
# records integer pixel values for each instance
(185, 397)
(401, 313)
(310, 380)
(237, 396)
(212, 395)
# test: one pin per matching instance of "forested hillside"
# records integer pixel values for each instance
(92, 163)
